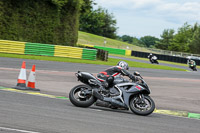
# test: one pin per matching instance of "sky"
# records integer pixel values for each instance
(138, 18)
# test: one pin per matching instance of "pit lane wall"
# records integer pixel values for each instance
(27, 48)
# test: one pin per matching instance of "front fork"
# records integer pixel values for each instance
(141, 99)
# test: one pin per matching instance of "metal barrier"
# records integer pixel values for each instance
(163, 57)
(171, 53)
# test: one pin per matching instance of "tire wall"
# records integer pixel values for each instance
(27, 48)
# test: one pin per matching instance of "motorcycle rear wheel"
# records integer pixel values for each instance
(157, 62)
(77, 97)
(142, 108)
(195, 69)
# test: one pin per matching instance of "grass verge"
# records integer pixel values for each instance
(87, 38)
(110, 62)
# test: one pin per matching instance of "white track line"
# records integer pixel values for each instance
(18, 130)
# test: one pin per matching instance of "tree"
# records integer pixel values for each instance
(181, 39)
(148, 40)
(166, 38)
(109, 27)
(131, 40)
(98, 21)
(194, 43)
(86, 6)
(137, 42)
(127, 38)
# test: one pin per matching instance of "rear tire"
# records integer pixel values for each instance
(137, 107)
(78, 99)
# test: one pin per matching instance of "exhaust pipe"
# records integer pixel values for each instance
(108, 99)
(115, 102)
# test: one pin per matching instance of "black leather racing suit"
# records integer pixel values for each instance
(107, 76)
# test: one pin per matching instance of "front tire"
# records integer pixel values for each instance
(142, 108)
(79, 99)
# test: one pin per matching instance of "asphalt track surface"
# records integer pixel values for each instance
(22, 113)
(28, 113)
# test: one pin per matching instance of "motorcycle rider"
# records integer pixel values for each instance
(191, 62)
(150, 56)
(107, 77)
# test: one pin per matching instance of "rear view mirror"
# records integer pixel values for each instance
(136, 73)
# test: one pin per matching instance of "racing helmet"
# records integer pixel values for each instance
(123, 65)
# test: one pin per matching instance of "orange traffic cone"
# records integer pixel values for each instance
(21, 82)
(31, 80)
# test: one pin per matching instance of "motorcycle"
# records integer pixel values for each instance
(193, 67)
(124, 93)
(154, 60)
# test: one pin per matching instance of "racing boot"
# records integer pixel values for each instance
(105, 88)
(95, 92)
(100, 93)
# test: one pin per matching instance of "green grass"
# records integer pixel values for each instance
(87, 38)
(110, 62)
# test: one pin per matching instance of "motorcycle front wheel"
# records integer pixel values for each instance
(80, 96)
(142, 107)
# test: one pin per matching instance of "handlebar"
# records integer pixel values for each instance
(138, 80)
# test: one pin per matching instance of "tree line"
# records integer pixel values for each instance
(97, 21)
(100, 22)
(187, 39)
